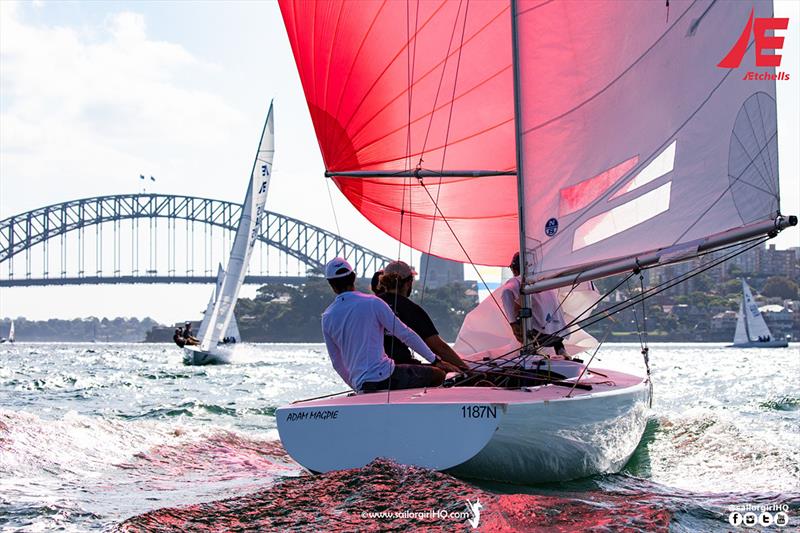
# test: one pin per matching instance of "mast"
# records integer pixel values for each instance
(524, 312)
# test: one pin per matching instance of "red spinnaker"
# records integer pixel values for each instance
(402, 85)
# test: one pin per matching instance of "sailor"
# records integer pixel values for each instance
(375, 283)
(547, 320)
(353, 327)
(397, 281)
(178, 338)
(188, 336)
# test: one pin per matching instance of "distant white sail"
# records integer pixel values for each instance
(233, 330)
(11, 333)
(246, 234)
(750, 325)
(211, 300)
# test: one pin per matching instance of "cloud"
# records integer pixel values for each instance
(85, 109)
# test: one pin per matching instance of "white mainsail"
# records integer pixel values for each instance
(11, 333)
(750, 325)
(249, 224)
(233, 327)
(636, 141)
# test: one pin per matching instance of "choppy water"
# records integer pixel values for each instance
(123, 436)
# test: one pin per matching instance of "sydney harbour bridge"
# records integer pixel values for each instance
(159, 238)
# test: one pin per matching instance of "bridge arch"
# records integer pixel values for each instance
(309, 244)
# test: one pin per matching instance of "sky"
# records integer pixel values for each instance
(93, 94)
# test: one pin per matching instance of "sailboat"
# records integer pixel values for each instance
(751, 330)
(232, 335)
(11, 334)
(473, 130)
(219, 323)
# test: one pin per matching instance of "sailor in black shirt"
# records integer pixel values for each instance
(395, 284)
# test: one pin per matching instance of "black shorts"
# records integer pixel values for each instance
(408, 377)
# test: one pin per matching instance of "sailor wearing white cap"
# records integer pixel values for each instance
(353, 326)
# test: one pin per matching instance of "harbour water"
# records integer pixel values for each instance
(123, 436)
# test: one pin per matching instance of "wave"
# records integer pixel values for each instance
(711, 450)
(195, 408)
(86, 470)
(386, 496)
(784, 403)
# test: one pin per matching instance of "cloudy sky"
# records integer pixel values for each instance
(93, 94)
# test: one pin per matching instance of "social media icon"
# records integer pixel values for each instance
(781, 519)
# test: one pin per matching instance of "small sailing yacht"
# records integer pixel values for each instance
(490, 128)
(219, 322)
(751, 330)
(11, 335)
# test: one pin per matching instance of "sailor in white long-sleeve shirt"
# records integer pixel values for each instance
(547, 320)
(353, 326)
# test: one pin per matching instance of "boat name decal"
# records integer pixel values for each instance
(312, 415)
(478, 411)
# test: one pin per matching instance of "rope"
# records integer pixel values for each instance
(333, 209)
(619, 307)
(460, 245)
(323, 396)
(586, 366)
(658, 289)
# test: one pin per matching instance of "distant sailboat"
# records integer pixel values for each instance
(751, 330)
(219, 322)
(11, 335)
(232, 334)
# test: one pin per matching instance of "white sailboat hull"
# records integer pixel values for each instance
(530, 435)
(756, 344)
(541, 442)
(193, 355)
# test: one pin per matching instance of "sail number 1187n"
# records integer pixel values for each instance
(478, 411)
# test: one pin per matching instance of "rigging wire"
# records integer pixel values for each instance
(411, 63)
(460, 245)
(586, 366)
(447, 131)
(658, 289)
(333, 209)
(642, 330)
(619, 307)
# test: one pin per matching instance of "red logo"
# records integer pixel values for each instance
(763, 42)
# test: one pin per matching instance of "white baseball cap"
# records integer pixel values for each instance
(337, 268)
